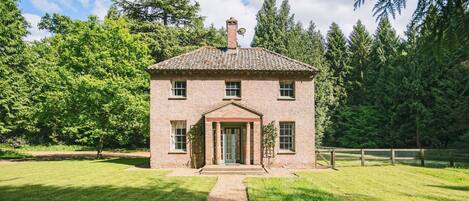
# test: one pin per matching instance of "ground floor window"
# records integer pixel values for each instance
(178, 135)
(287, 132)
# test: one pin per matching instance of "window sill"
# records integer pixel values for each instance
(286, 152)
(177, 98)
(286, 99)
(231, 98)
(177, 152)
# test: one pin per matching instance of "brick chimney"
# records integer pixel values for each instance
(232, 28)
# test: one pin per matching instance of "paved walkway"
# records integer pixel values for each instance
(229, 187)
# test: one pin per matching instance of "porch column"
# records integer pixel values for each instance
(257, 143)
(218, 144)
(247, 153)
(208, 143)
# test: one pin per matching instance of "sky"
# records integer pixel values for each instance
(321, 12)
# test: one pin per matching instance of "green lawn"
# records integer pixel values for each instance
(366, 183)
(96, 180)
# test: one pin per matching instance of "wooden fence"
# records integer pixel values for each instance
(446, 157)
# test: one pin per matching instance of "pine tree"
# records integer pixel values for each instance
(360, 47)
(382, 80)
(169, 12)
(325, 98)
(285, 25)
(338, 58)
(266, 30)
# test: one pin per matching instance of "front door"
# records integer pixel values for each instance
(231, 145)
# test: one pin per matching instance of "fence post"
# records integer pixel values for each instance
(362, 157)
(333, 159)
(422, 157)
(393, 156)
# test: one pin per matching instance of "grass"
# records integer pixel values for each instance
(398, 182)
(96, 180)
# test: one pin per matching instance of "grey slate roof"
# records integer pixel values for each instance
(242, 59)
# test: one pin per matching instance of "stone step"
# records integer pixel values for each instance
(232, 172)
(239, 169)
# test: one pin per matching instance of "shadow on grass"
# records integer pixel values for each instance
(137, 162)
(308, 194)
(457, 188)
(159, 190)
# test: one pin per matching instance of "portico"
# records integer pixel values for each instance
(232, 135)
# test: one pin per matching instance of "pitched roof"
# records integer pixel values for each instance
(240, 59)
(222, 105)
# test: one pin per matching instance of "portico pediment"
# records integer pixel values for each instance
(232, 110)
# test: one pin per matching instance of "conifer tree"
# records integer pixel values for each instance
(266, 29)
(338, 58)
(360, 46)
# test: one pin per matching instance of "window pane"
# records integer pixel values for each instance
(286, 136)
(233, 89)
(179, 88)
(287, 89)
(178, 135)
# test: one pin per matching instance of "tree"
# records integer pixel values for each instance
(103, 98)
(163, 39)
(325, 98)
(172, 12)
(337, 57)
(14, 100)
(265, 32)
(360, 47)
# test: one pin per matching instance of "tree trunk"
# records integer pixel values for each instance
(99, 148)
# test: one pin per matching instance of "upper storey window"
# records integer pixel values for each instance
(287, 89)
(179, 88)
(233, 89)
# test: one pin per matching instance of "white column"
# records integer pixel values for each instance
(218, 144)
(247, 153)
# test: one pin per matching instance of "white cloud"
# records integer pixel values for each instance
(218, 11)
(100, 8)
(321, 12)
(68, 4)
(85, 3)
(46, 6)
(34, 32)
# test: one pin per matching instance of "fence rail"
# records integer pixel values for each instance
(447, 157)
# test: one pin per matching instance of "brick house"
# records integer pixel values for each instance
(232, 92)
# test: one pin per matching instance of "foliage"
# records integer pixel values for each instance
(196, 139)
(356, 126)
(100, 94)
(265, 32)
(269, 133)
(359, 44)
(173, 12)
(163, 40)
(14, 100)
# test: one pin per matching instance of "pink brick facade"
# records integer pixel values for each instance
(206, 91)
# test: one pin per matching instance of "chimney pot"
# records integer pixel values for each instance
(232, 28)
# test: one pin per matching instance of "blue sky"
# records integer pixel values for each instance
(321, 12)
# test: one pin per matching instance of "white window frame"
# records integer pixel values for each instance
(287, 131)
(289, 92)
(175, 88)
(230, 86)
(178, 130)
